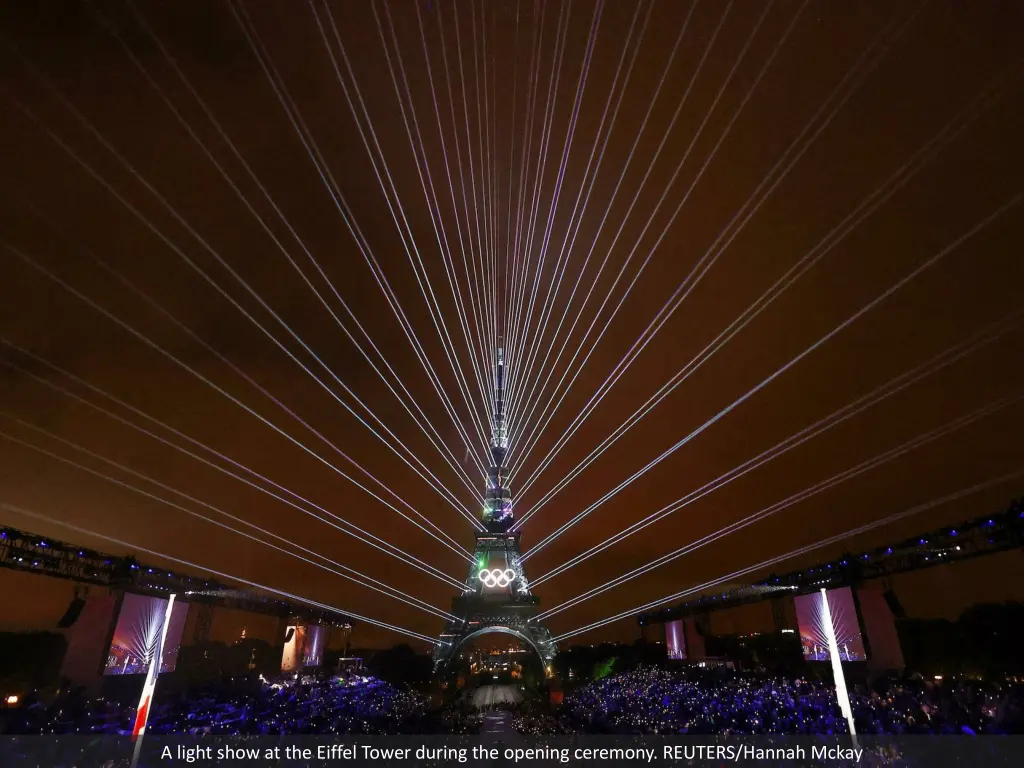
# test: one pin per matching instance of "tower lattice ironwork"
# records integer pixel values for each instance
(496, 597)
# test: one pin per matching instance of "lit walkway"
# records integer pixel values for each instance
(496, 721)
(491, 695)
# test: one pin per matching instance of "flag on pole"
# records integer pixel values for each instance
(146, 700)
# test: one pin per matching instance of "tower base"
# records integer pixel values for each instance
(509, 611)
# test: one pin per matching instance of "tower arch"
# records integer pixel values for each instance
(499, 629)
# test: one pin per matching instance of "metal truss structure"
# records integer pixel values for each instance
(32, 553)
(987, 535)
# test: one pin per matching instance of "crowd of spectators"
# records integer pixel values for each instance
(326, 704)
(667, 701)
(646, 700)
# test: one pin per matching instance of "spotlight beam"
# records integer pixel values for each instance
(393, 200)
(618, 184)
(426, 182)
(341, 205)
(362, 535)
(938, 362)
(220, 574)
(157, 348)
(479, 280)
(483, 145)
(520, 258)
(491, 120)
(509, 259)
(415, 145)
(432, 481)
(467, 245)
(531, 346)
(872, 202)
(526, 344)
(547, 125)
(477, 354)
(859, 72)
(567, 246)
(931, 261)
(700, 268)
(338, 569)
(432, 435)
(824, 485)
(532, 207)
(955, 496)
(537, 430)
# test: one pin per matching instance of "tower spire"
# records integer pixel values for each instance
(499, 436)
(497, 500)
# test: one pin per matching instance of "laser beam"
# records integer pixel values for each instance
(955, 496)
(338, 569)
(220, 574)
(931, 261)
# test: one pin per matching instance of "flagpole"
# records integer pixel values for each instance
(146, 700)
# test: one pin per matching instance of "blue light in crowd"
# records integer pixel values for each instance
(923, 541)
(888, 551)
(953, 532)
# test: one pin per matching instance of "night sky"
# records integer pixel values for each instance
(907, 73)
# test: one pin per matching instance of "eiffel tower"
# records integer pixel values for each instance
(496, 597)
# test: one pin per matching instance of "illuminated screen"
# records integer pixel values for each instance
(810, 618)
(137, 634)
(675, 639)
(304, 647)
(313, 649)
(295, 639)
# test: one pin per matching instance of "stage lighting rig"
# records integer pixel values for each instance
(32, 553)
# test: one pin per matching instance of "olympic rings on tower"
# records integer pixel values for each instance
(497, 577)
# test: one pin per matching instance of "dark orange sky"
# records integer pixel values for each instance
(934, 60)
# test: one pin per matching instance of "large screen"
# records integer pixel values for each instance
(137, 634)
(303, 647)
(811, 618)
(313, 649)
(294, 642)
(675, 639)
